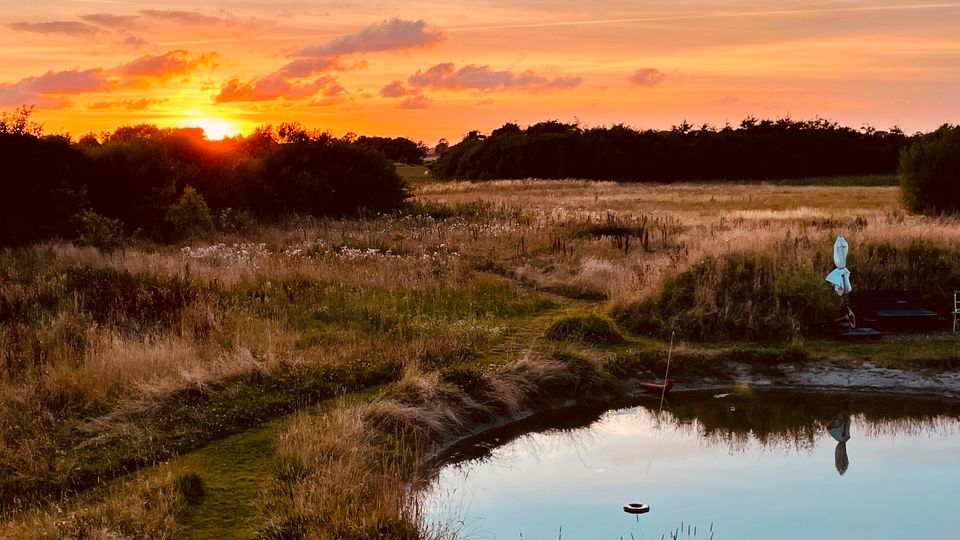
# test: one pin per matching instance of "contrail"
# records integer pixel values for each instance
(728, 15)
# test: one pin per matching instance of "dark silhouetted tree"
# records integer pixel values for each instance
(930, 172)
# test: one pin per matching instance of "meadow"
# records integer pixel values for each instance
(348, 351)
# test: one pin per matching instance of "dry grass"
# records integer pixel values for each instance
(705, 220)
(149, 512)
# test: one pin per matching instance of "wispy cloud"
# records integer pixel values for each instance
(193, 18)
(476, 77)
(116, 22)
(716, 15)
(646, 77)
(389, 35)
(73, 28)
(128, 104)
(306, 67)
(416, 101)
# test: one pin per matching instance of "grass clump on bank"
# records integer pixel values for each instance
(779, 294)
(749, 296)
(585, 328)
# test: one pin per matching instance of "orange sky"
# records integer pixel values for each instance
(427, 70)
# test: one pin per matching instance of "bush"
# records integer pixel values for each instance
(99, 231)
(587, 328)
(190, 215)
(930, 172)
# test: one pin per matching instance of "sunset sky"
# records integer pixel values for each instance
(427, 70)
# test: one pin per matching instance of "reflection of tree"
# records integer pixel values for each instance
(770, 419)
(565, 425)
(795, 420)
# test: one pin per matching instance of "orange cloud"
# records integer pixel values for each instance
(167, 65)
(141, 72)
(272, 87)
(193, 18)
(73, 28)
(389, 35)
(106, 20)
(414, 96)
(394, 90)
(128, 104)
(646, 77)
(41, 90)
(475, 77)
(417, 101)
(305, 67)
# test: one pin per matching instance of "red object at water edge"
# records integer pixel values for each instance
(658, 389)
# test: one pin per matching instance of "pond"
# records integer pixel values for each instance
(723, 465)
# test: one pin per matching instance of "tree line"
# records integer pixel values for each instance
(165, 184)
(756, 149)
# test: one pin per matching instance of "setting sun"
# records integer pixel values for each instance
(214, 129)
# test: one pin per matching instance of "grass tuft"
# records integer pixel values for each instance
(190, 487)
(585, 328)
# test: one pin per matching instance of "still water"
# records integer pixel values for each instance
(729, 465)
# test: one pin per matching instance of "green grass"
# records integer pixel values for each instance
(585, 328)
(413, 174)
(892, 179)
(235, 472)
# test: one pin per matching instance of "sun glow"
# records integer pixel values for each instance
(215, 129)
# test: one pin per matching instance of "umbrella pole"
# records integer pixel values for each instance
(667, 374)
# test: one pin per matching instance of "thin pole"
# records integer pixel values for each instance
(667, 374)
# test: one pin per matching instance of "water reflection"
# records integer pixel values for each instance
(840, 431)
(756, 464)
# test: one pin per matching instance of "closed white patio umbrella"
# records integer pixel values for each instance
(840, 278)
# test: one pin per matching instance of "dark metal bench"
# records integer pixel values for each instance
(899, 310)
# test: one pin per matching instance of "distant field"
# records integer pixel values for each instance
(413, 174)
(867, 180)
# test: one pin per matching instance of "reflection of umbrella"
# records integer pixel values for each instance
(840, 459)
(840, 278)
(840, 430)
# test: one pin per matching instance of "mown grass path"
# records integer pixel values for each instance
(234, 471)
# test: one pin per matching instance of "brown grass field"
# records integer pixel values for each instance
(113, 364)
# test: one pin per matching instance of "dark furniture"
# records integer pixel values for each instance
(899, 311)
